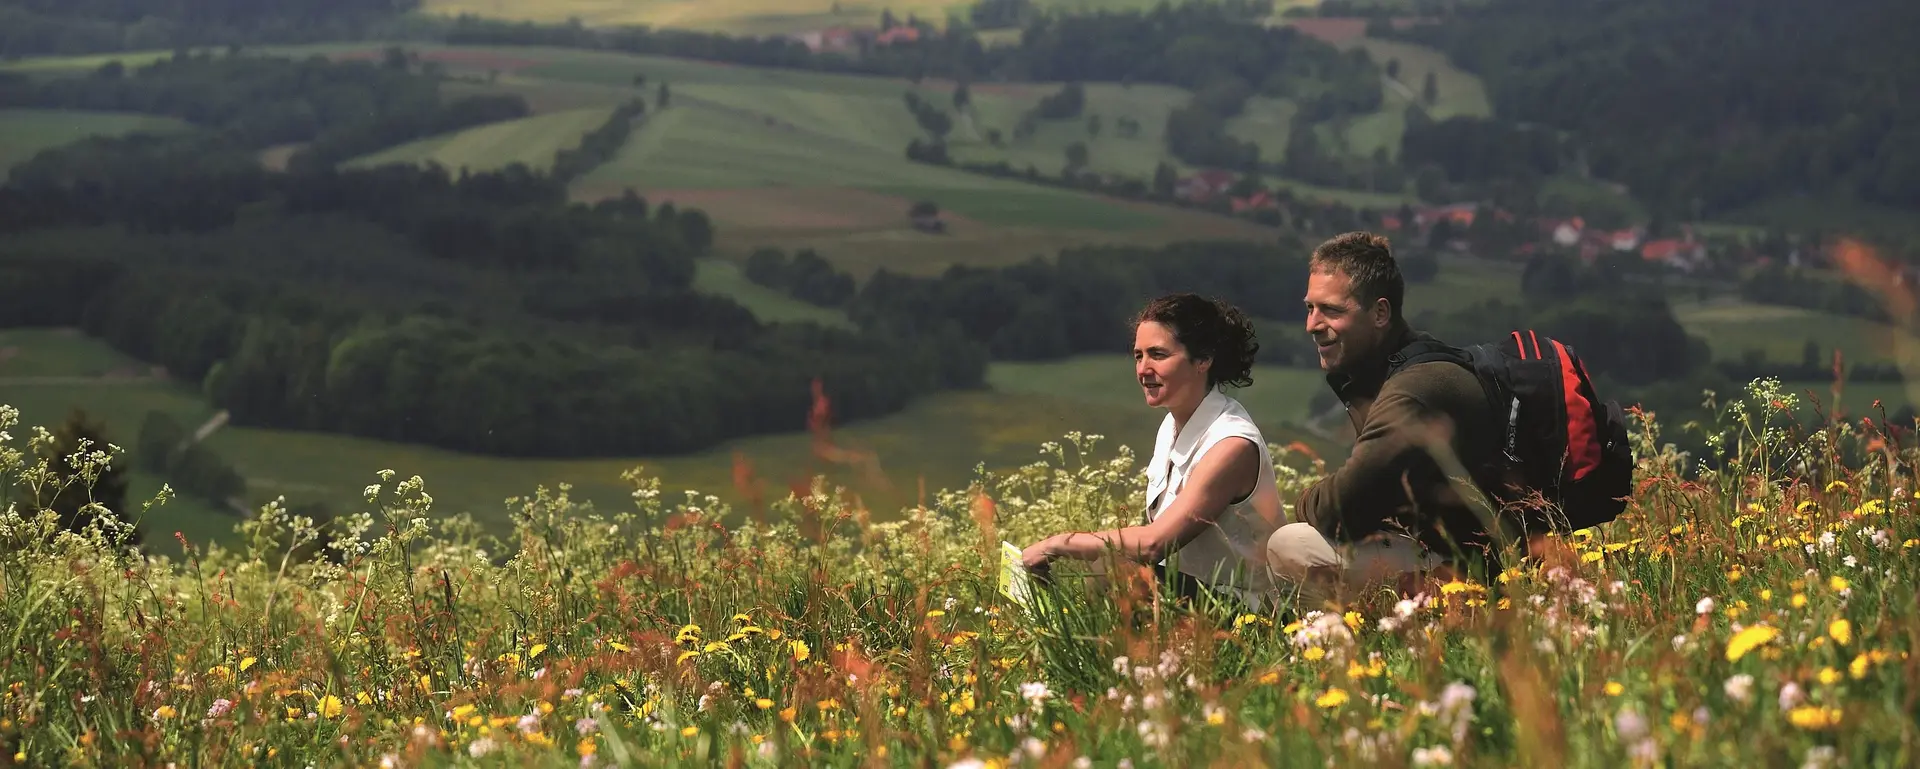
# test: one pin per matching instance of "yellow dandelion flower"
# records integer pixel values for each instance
(718, 646)
(691, 731)
(541, 739)
(1315, 654)
(1814, 718)
(1829, 676)
(1615, 689)
(1798, 600)
(533, 652)
(165, 712)
(619, 647)
(363, 698)
(1836, 485)
(426, 682)
(1858, 667)
(1270, 677)
(460, 712)
(585, 747)
(1749, 639)
(742, 617)
(1332, 698)
(246, 663)
(685, 655)
(1872, 507)
(1592, 557)
(1841, 631)
(936, 613)
(1216, 717)
(800, 650)
(787, 713)
(763, 703)
(1353, 620)
(1837, 583)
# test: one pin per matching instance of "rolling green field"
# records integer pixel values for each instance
(25, 132)
(938, 440)
(716, 276)
(756, 17)
(531, 141)
(1782, 332)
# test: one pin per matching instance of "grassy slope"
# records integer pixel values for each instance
(758, 17)
(25, 132)
(938, 439)
(531, 141)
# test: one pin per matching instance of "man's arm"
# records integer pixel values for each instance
(1368, 491)
(1227, 472)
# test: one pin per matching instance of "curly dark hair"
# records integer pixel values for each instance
(1210, 329)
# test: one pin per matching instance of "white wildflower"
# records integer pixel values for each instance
(1739, 688)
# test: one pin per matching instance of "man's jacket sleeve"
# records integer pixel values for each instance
(1371, 488)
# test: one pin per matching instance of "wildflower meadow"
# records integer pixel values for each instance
(1753, 608)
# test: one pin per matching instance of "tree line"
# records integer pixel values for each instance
(57, 27)
(342, 109)
(1776, 102)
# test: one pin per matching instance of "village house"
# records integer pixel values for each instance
(833, 39)
(1203, 186)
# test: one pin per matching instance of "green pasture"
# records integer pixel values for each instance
(1278, 399)
(724, 278)
(754, 17)
(531, 141)
(25, 132)
(1732, 327)
(938, 440)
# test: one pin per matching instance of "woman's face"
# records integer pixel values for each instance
(1167, 376)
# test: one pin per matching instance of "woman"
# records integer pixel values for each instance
(1211, 501)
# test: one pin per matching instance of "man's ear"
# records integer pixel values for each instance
(1382, 313)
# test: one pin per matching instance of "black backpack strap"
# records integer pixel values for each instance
(1426, 350)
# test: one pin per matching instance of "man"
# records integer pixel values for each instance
(1390, 510)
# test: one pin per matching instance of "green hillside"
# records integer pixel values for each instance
(758, 17)
(25, 132)
(531, 141)
(939, 438)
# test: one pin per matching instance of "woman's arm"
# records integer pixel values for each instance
(1227, 472)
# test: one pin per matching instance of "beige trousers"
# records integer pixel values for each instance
(1321, 571)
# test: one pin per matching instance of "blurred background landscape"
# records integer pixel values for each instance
(271, 248)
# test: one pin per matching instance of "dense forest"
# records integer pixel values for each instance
(42, 27)
(1701, 106)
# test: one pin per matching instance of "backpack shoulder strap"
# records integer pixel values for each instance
(1426, 350)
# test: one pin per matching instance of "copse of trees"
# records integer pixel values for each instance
(344, 108)
(165, 448)
(806, 276)
(1080, 301)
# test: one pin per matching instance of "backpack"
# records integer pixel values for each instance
(1558, 437)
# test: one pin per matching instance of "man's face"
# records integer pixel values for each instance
(1345, 332)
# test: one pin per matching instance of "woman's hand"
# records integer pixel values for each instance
(1038, 557)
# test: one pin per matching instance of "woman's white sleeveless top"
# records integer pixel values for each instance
(1231, 555)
